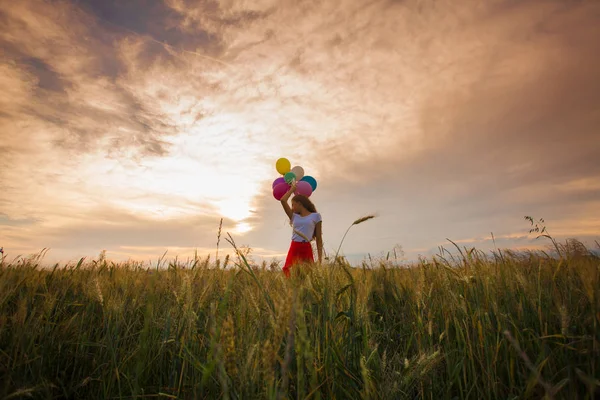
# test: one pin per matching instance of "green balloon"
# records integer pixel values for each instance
(289, 177)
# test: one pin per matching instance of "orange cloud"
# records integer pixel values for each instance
(451, 120)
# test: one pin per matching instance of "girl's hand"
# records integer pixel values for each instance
(293, 187)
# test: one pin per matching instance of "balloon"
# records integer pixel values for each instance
(311, 180)
(279, 190)
(277, 182)
(289, 177)
(283, 166)
(304, 188)
(299, 171)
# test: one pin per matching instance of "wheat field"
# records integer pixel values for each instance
(503, 325)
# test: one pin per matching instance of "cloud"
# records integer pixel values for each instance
(450, 119)
(64, 83)
(117, 232)
(5, 220)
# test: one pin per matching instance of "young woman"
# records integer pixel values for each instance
(306, 222)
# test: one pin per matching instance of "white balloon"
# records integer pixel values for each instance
(299, 171)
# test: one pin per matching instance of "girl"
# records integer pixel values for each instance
(306, 222)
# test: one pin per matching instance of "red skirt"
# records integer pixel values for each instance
(300, 252)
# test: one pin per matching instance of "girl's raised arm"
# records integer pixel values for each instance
(284, 201)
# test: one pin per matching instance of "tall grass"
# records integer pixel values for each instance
(500, 326)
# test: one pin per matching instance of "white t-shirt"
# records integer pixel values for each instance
(305, 225)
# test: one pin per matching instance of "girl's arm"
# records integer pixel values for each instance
(319, 238)
(284, 201)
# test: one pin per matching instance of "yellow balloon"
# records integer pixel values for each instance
(283, 166)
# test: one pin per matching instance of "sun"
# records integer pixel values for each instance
(242, 227)
(235, 208)
(199, 176)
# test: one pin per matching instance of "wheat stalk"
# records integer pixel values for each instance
(549, 389)
(219, 239)
(358, 221)
(228, 345)
(99, 291)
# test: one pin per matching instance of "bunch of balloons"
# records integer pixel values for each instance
(305, 184)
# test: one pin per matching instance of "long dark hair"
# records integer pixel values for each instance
(306, 203)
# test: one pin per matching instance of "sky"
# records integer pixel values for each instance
(135, 126)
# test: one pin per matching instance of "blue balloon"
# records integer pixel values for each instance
(312, 181)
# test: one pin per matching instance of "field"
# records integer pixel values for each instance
(475, 326)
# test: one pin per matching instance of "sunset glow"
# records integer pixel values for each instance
(130, 126)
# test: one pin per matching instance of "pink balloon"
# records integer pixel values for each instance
(278, 181)
(279, 190)
(304, 188)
